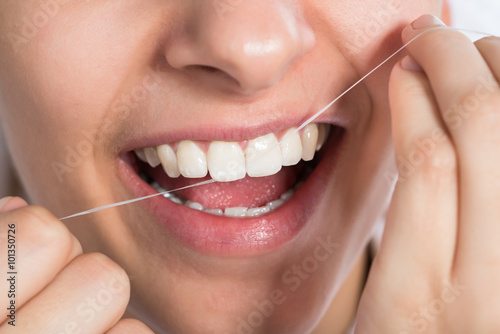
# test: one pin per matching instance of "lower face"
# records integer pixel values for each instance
(88, 90)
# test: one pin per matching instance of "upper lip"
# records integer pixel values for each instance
(234, 131)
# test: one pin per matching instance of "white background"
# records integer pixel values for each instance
(482, 15)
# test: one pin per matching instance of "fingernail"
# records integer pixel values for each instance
(427, 20)
(4, 201)
(410, 64)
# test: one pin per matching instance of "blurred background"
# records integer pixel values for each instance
(480, 15)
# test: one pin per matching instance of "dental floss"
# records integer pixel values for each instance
(319, 113)
(303, 125)
(134, 200)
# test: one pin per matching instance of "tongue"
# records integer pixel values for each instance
(249, 192)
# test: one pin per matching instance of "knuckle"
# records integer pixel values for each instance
(488, 113)
(104, 280)
(404, 88)
(103, 271)
(412, 89)
(54, 233)
(432, 157)
(41, 227)
(478, 107)
(441, 166)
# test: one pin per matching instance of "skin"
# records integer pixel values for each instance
(60, 83)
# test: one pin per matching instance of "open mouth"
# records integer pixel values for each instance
(255, 177)
(264, 191)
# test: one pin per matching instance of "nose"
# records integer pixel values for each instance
(253, 42)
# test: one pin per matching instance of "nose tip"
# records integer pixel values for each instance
(254, 44)
(260, 64)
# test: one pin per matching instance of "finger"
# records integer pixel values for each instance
(418, 241)
(446, 51)
(39, 247)
(130, 326)
(469, 100)
(421, 224)
(11, 203)
(489, 48)
(88, 296)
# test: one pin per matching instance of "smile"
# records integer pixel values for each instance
(266, 187)
(231, 161)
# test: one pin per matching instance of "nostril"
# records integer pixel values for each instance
(211, 71)
(204, 68)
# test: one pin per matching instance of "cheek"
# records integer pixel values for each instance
(47, 102)
(371, 32)
(60, 82)
(371, 29)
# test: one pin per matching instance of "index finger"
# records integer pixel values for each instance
(469, 99)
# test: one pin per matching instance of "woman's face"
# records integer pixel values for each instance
(85, 83)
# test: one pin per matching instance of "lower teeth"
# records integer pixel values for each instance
(240, 212)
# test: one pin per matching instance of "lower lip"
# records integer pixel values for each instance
(220, 235)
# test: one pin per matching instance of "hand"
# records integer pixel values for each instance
(56, 289)
(438, 269)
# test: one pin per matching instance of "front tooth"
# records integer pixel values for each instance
(191, 159)
(168, 160)
(152, 157)
(226, 161)
(291, 148)
(263, 156)
(309, 141)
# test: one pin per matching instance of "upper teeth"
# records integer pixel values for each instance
(227, 161)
